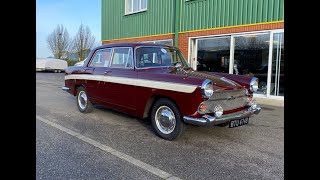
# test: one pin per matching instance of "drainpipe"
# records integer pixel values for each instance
(176, 21)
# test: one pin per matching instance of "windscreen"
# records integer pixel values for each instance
(158, 57)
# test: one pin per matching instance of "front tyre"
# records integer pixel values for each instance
(83, 102)
(166, 119)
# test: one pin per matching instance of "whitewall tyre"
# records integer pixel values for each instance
(166, 119)
(83, 102)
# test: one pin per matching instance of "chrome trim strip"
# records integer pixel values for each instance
(178, 87)
(207, 120)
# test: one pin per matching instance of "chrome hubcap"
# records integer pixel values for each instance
(82, 100)
(165, 119)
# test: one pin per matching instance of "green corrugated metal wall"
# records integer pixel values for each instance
(195, 14)
(158, 19)
(203, 14)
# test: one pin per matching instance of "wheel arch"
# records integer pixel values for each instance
(152, 100)
(76, 88)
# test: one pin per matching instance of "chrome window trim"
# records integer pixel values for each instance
(90, 60)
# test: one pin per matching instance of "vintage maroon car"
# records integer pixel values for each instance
(154, 81)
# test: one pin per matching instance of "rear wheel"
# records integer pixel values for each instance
(166, 119)
(83, 102)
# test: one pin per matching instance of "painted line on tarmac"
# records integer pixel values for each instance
(158, 172)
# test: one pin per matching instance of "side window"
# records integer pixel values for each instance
(101, 58)
(122, 58)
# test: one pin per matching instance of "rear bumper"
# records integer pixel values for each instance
(207, 120)
(64, 88)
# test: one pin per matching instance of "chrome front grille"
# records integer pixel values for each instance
(228, 100)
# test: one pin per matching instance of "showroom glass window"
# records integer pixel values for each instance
(251, 55)
(166, 42)
(277, 73)
(214, 54)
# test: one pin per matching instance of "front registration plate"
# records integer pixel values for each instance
(238, 122)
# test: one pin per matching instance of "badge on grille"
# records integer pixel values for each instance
(231, 98)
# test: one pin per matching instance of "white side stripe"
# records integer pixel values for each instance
(186, 88)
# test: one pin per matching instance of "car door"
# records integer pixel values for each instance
(121, 77)
(102, 85)
(97, 66)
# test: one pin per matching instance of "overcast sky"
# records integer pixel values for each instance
(69, 13)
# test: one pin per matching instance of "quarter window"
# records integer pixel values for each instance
(101, 58)
(133, 6)
(122, 58)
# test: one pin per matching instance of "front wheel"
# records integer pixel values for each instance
(83, 102)
(166, 119)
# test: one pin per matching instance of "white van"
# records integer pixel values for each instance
(50, 64)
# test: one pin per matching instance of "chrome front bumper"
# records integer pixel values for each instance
(64, 88)
(207, 120)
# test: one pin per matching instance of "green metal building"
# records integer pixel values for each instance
(238, 36)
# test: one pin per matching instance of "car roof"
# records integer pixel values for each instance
(131, 44)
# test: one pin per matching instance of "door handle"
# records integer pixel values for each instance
(107, 72)
(85, 69)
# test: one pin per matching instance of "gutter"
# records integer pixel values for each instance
(176, 21)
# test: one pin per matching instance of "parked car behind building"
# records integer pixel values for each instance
(80, 63)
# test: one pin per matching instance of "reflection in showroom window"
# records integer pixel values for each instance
(251, 54)
(213, 54)
(277, 70)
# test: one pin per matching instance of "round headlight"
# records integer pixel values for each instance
(218, 111)
(254, 84)
(207, 88)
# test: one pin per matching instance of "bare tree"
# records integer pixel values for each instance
(59, 41)
(83, 42)
(96, 44)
